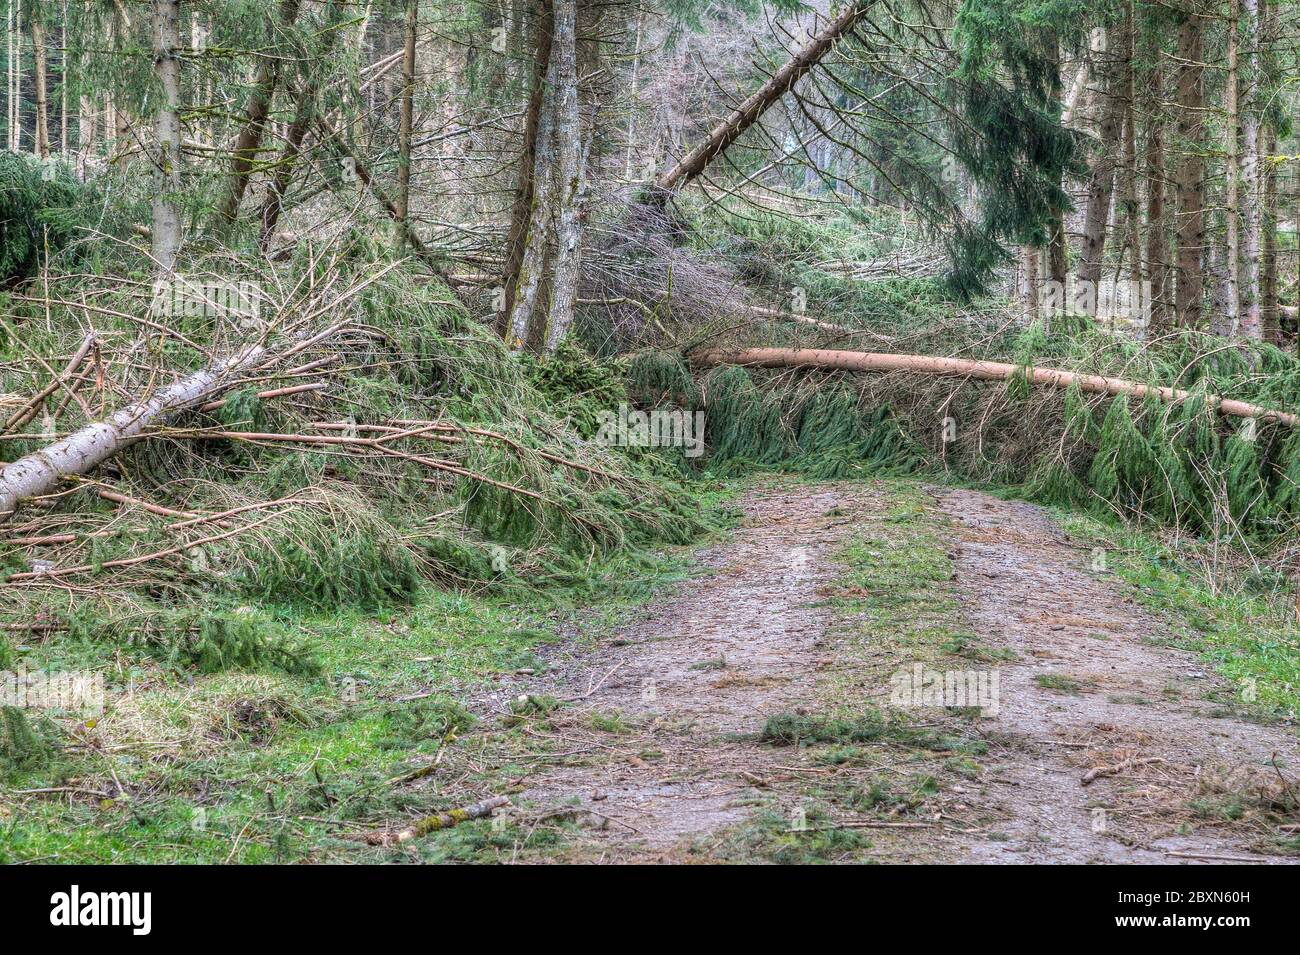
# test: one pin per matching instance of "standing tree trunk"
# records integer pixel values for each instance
(533, 262)
(1189, 177)
(121, 123)
(1157, 245)
(41, 64)
(568, 137)
(1030, 265)
(1101, 184)
(15, 51)
(303, 115)
(401, 234)
(1127, 213)
(1269, 312)
(249, 140)
(1231, 174)
(1251, 181)
(521, 211)
(166, 233)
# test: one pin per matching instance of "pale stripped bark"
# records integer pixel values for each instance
(972, 368)
(166, 230)
(80, 452)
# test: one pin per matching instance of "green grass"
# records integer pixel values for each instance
(1059, 683)
(273, 767)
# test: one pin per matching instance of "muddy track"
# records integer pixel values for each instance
(694, 676)
(1137, 704)
(700, 669)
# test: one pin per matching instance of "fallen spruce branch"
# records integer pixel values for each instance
(376, 445)
(832, 360)
(33, 407)
(441, 820)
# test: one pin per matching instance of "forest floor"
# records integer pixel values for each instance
(746, 714)
(736, 702)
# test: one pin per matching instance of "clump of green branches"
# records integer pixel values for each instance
(428, 454)
(41, 207)
(1180, 464)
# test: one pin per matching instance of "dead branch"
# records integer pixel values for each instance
(441, 820)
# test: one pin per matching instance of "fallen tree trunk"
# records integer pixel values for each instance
(748, 112)
(41, 471)
(972, 368)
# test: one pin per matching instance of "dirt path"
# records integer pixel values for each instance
(697, 670)
(1025, 588)
(658, 749)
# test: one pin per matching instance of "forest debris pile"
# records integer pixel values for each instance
(1183, 431)
(350, 437)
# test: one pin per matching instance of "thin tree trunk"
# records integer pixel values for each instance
(1157, 244)
(521, 211)
(166, 232)
(1101, 185)
(303, 116)
(1269, 312)
(973, 368)
(1251, 180)
(1231, 172)
(1030, 266)
(16, 79)
(403, 201)
(1128, 199)
(1189, 177)
(249, 140)
(540, 218)
(568, 137)
(41, 65)
(748, 112)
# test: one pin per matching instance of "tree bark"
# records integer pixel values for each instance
(748, 112)
(401, 235)
(1189, 177)
(972, 368)
(42, 471)
(249, 140)
(517, 239)
(1269, 312)
(1157, 242)
(166, 231)
(41, 66)
(1101, 184)
(303, 114)
(1251, 180)
(533, 263)
(1231, 174)
(568, 172)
